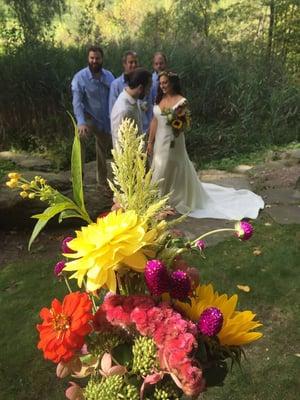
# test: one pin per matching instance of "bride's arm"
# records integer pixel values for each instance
(152, 133)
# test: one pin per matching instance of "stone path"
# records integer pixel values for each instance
(276, 181)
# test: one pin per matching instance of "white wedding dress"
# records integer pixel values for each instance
(176, 173)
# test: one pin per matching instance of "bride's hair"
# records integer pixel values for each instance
(175, 83)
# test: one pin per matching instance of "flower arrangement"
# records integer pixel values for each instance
(179, 118)
(142, 326)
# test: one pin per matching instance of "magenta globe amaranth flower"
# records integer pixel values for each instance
(244, 230)
(64, 245)
(180, 285)
(210, 321)
(200, 244)
(156, 277)
(59, 267)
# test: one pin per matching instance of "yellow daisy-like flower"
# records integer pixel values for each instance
(102, 247)
(177, 124)
(237, 325)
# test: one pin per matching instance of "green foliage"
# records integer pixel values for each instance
(132, 184)
(238, 70)
(76, 170)
(61, 205)
(34, 16)
(5, 167)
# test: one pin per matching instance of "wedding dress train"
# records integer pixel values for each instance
(177, 175)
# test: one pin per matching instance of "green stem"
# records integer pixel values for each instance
(121, 286)
(212, 233)
(94, 304)
(91, 296)
(67, 283)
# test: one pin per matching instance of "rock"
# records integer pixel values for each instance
(17, 212)
(285, 214)
(295, 154)
(224, 178)
(276, 196)
(27, 161)
(242, 168)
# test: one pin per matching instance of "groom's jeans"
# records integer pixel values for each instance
(103, 143)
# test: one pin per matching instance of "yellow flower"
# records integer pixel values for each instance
(177, 124)
(24, 194)
(236, 325)
(14, 175)
(25, 186)
(12, 184)
(31, 195)
(101, 248)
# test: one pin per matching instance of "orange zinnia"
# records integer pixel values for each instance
(64, 326)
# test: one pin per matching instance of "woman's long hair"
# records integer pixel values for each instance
(175, 83)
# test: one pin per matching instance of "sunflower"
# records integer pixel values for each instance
(101, 248)
(237, 325)
(65, 326)
(177, 124)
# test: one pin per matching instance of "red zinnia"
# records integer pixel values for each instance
(65, 326)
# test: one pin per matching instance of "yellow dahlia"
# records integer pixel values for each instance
(102, 247)
(237, 325)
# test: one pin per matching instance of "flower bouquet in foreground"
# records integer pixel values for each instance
(141, 325)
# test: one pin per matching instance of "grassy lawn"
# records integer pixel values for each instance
(253, 157)
(272, 367)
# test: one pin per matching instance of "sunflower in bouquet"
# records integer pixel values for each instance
(140, 324)
(179, 118)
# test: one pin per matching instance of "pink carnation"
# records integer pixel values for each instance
(174, 336)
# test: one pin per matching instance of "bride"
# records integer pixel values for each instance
(175, 172)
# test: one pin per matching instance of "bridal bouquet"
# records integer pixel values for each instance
(140, 325)
(179, 118)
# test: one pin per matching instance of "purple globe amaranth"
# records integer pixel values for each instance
(201, 244)
(244, 230)
(64, 245)
(59, 267)
(156, 277)
(180, 285)
(210, 322)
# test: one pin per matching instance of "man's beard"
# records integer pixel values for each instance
(95, 67)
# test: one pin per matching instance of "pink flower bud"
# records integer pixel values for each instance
(64, 245)
(244, 230)
(59, 267)
(210, 321)
(156, 277)
(180, 285)
(201, 244)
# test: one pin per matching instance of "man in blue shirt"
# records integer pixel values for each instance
(90, 88)
(159, 64)
(130, 63)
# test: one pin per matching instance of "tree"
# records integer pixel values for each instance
(35, 16)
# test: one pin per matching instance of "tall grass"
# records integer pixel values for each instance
(237, 103)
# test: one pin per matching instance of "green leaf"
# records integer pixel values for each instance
(43, 219)
(123, 354)
(76, 169)
(53, 210)
(216, 374)
(37, 229)
(68, 214)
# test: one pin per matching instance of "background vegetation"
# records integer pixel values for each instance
(237, 59)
